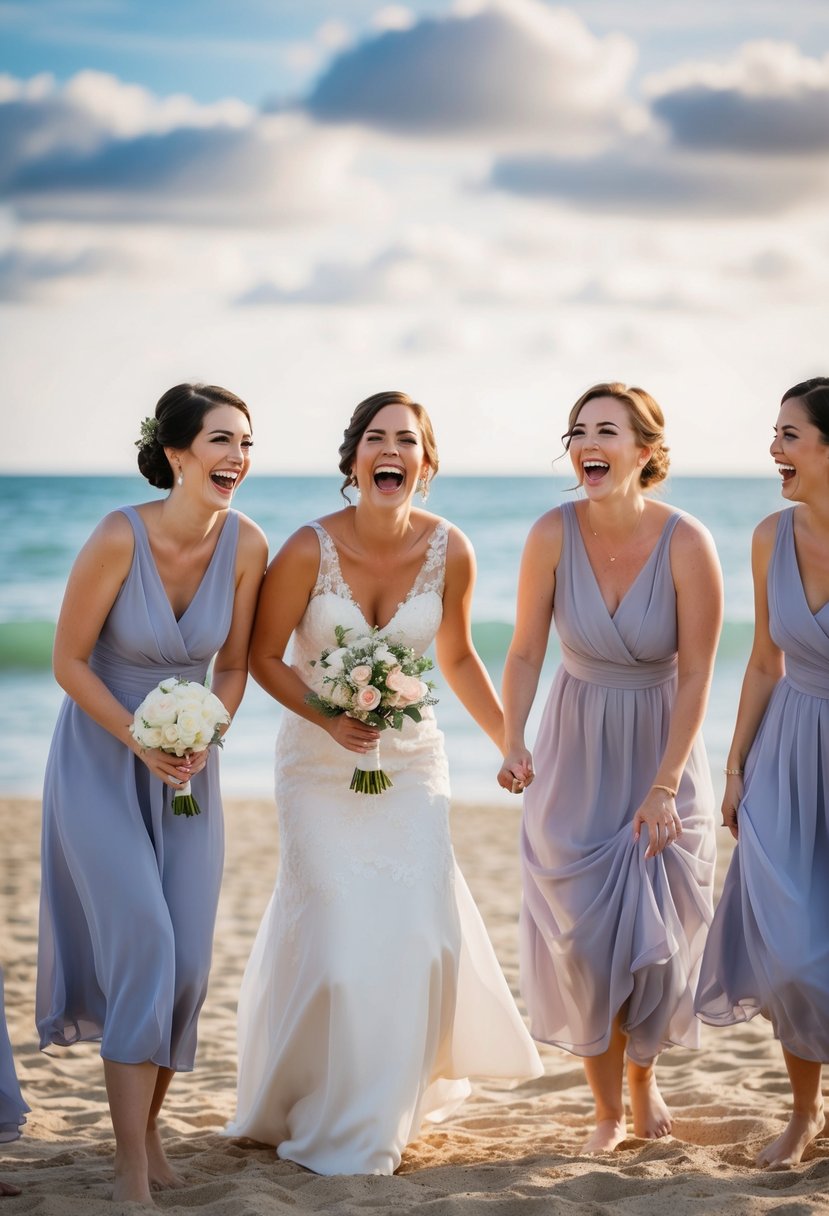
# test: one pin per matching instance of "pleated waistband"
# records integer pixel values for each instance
(617, 675)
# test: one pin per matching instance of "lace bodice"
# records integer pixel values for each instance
(414, 623)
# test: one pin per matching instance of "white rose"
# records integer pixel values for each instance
(383, 655)
(361, 674)
(213, 709)
(335, 659)
(159, 708)
(148, 736)
(339, 696)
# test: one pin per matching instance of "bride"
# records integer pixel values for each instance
(372, 991)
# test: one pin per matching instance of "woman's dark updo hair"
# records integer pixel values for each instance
(814, 394)
(646, 419)
(179, 417)
(359, 424)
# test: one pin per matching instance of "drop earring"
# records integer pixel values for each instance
(423, 488)
(180, 478)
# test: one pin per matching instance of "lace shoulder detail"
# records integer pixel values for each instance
(432, 573)
(329, 577)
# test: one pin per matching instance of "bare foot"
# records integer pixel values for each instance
(606, 1135)
(8, 1188)
(132, 1185)
(788, 1148)
(161, 1174)
(651, 1117)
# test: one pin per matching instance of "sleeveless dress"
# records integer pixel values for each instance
(768, 950)
(601, 927)
(12, 1107)
(129, 890)
(372, 991)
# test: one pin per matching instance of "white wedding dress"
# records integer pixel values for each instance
(372, 991)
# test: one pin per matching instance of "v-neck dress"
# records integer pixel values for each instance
(12, 1107)
(602, 929)
(768, 950)
(372, 991)
(129, 890)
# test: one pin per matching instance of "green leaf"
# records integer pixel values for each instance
(414, 714)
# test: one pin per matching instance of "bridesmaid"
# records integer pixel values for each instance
(769, 951)
(129, 889)
(617, 840)
(12, 1107)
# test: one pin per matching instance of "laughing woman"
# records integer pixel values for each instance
(768, 951)
(618, 841)
(130, 889)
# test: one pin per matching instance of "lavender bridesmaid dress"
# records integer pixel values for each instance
(12, 1107)
(768, 951)
(603, 929)
(129, 890)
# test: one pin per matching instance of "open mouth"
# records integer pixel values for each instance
(388, 478)
(594, 471)
(786, 471)
(224, 480)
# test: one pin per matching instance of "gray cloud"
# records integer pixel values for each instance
(99, 150)
(729, 120)
(25, 275)
(643, 178)
(515, 66)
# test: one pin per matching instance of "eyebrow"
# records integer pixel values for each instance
(219, 431)
(376, 430)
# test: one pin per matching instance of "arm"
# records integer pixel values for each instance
(699, 607)
(283, 600)
(94, 582)
(534, 613)
(230, 669)
(457, 658)
(765, 668)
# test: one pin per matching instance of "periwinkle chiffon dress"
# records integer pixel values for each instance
(768, 950)
(129, 890)
(372, 991)
(12, 1107)
(602, 929)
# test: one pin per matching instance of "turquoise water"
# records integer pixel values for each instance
(45, 520)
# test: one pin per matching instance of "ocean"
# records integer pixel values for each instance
(45, 520)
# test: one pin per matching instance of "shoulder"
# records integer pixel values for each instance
(252, 544)
(765, 533)
(549, 528)
(113, 538)
(299, 556)
(689, 536)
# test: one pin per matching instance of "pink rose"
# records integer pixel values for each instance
(361, 674)
(368, 698)
(411, 690)
(395, 679)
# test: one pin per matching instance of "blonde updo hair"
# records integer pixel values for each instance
(646, 419)
(362, 418)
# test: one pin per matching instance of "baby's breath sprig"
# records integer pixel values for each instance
(149, 433)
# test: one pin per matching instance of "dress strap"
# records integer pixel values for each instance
(330, 579)
(432, 574)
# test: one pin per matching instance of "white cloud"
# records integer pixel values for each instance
(96, 148)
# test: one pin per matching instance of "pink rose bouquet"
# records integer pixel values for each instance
(377, 681)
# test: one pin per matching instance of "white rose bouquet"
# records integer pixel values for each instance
(377, 681)
(180, 716)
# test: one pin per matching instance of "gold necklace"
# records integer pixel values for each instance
(612, 557)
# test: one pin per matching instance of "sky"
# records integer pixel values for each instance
(489, 204)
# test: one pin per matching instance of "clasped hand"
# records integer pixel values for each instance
(352, 734)
(658, 816)
(516, 773)
(174, 771)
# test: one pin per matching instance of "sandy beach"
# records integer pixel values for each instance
(506, 1150)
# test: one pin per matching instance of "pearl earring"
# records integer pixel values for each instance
(180, 478)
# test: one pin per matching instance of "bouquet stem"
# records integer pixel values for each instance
(184, 803)
(368, 777)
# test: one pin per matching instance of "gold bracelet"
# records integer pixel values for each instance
(733, 772)
(666, 788)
